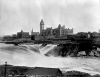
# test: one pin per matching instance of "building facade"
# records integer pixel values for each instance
(23, 34)
(47, 32)
(59, 31)
(34, 33)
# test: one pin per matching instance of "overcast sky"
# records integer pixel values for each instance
(82, 15)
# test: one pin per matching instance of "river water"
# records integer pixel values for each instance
(33, 56)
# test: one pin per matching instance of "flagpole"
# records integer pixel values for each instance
(5, 69)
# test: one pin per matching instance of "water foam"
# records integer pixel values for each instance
(25, 55)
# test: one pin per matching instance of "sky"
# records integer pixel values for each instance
(81, 15)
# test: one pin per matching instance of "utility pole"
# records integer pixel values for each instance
(5, 74)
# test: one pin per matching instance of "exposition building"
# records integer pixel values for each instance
(59, 31)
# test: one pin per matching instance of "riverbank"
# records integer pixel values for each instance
(20, 70)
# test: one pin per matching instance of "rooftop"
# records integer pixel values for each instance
(44, 71)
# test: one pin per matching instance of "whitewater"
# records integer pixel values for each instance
(34, 56)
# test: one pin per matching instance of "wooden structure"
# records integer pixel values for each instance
(43, 72)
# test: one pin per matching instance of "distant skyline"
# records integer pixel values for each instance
(81, 15)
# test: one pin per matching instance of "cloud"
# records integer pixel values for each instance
(26, 14)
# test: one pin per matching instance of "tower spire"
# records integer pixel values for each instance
(42, 22)
(32, 32)
(41, 26)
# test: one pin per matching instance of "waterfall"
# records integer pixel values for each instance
(33, 55)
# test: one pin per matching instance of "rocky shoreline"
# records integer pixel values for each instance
(65, 51)
(79, 74)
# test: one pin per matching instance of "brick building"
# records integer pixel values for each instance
(23, 34)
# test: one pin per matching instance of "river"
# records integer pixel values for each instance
(33, 56)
